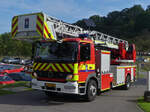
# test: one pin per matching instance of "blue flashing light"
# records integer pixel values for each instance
(85, 35)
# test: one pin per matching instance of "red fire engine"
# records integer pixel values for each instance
(68, 59)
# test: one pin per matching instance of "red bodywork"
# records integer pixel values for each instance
(18, 69)
(5, 81)
(106, 78)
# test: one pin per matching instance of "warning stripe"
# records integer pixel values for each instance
(59, 67)
(38, 65)
(64, 69)
(71, 69)
(46, 69)
(43, 65)
(40, 23)
(14, 22)
(53, 67)
(14, 26)
(48, 32)
(39, 30)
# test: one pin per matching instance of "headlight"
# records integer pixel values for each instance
(69, 77)
(34, 74)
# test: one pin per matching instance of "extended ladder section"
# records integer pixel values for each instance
(41, 26)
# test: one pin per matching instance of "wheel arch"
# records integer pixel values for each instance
(92, 77)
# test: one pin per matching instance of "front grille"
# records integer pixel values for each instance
(52, 75)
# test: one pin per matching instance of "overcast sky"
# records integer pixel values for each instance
(66, 10)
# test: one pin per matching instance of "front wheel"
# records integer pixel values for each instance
(91, 91)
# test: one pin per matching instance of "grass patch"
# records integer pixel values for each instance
(16, 84)
(144, 105)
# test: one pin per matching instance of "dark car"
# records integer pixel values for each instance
(20, 76)
(6, 79)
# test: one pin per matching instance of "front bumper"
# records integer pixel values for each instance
(68, 87)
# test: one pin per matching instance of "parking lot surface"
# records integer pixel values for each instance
(111, 101)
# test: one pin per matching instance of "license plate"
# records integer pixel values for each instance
(50, 85)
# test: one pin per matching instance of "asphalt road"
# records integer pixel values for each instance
(110, 101)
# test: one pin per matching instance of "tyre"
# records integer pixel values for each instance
(91, 91)
(128, 82)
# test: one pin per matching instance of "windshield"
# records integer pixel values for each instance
(65, 51)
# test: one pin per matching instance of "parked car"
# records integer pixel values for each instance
(6, 69)
(20, 76)
(5, 59)
(12, 60)
(26, 62)
(4, 79)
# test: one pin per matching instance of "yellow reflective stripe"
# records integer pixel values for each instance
(105, 89)
(49, 30)
(46, 34)
(59, 68)
(40, 25)
(126, 67)
(75, 68)
(53, 67)
(15, 18)
(34, 65)
(39, 32)
(47, 67)
(41, 17)
(91, 66)
(66, 68)
(71, 66)
(82, 82)
(42, 66)
(38, 66)
(14, 34)
(82, 67)
(14, 26)
(75, 78)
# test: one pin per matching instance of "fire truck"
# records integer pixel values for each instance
(71, 60)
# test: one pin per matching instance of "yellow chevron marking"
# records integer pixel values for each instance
(52, 36)
(37, 66)
(41, 17)
(71, 66)
(47, 67)
(14, 34)
(15, 18)
(14, 26)
(53, 67)
(66, 68)
(46, 34)
(39, 32)
(40, 25)
(34, 65)
(59, 68)
(43, 66)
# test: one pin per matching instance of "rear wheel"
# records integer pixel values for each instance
(128, 83)
(91, 91)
